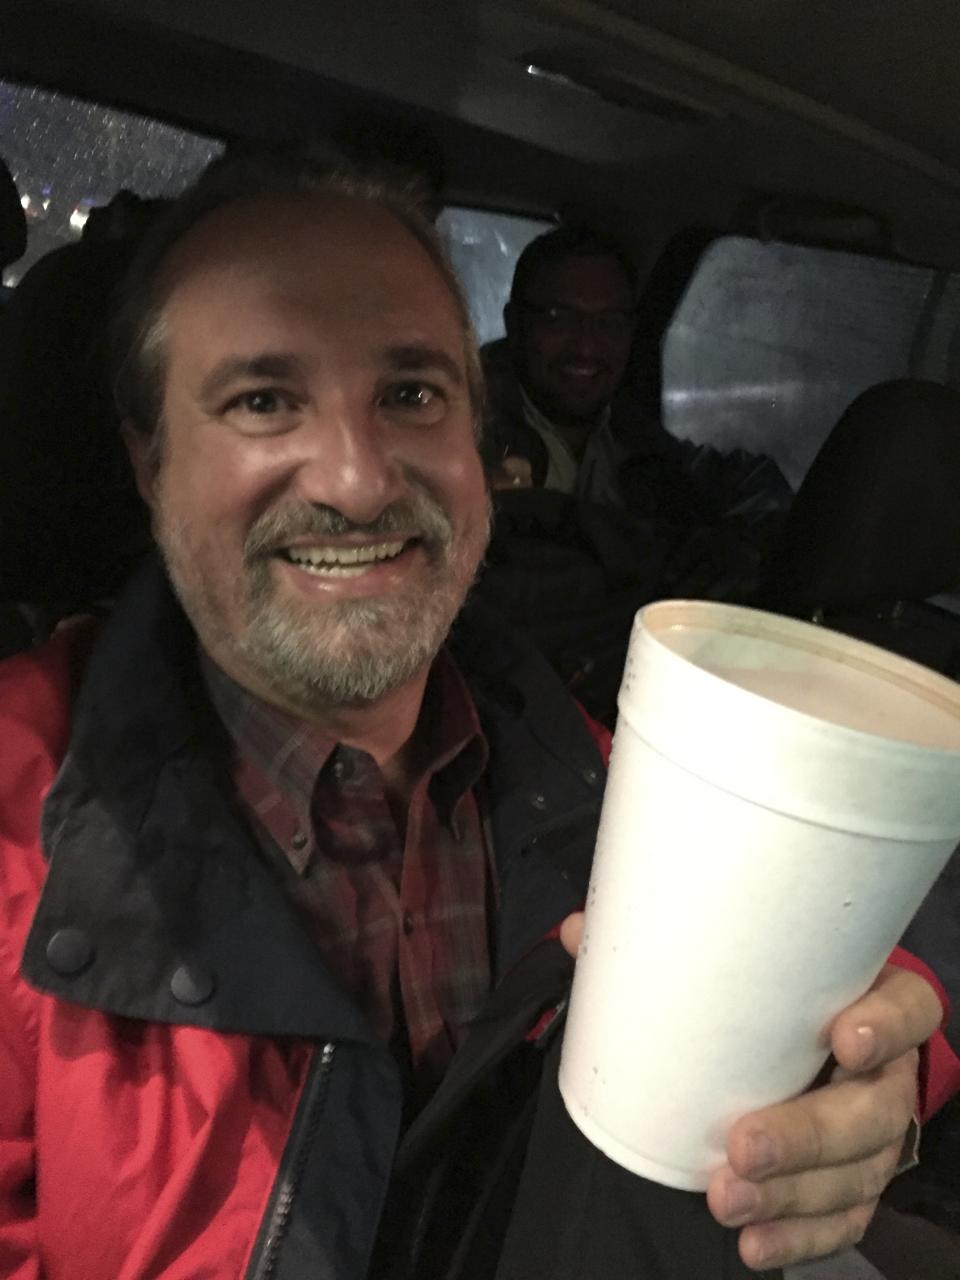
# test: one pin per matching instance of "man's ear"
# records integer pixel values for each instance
(141, 450)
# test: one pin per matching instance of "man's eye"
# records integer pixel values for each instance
(553, 317)
(259, 403)
(262, 411)
(418, 397)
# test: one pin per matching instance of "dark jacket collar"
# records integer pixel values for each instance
(163, 907)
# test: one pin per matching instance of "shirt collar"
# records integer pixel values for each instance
(454, 745)
(288, 750)
(452, 750)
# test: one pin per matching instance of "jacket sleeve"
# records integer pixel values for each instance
(939, 1066)
(34, 695)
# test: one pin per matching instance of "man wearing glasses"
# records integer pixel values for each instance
(570, 323)
(561, 416)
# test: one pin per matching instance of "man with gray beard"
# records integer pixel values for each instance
(284, 1001)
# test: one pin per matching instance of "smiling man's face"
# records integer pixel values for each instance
(319, 499)
(571, 336)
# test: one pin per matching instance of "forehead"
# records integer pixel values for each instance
(592, 281)
(312, 268)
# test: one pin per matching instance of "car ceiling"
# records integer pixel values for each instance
(659, 113)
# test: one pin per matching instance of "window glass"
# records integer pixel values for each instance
(771, 342)
(68, 156)
(484, 247)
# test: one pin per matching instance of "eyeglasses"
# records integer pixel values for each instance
(613, 325)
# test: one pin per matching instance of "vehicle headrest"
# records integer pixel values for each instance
(13, 221)
(877, 518)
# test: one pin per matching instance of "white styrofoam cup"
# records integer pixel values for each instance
(780, 800)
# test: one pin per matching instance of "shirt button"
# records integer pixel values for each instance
(69, 952)
(538, 799)
(299, 840)
(342, 769)
(591, 777)
(408, 925)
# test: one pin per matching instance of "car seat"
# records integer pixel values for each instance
(873, 534)
(874, 531)
(13, 225)
(71, 522)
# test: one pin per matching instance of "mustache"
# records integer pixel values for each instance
(420, 516)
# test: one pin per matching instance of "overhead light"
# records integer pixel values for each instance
(557, 77)
(629, 92)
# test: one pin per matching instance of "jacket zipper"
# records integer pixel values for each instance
(263, 1264)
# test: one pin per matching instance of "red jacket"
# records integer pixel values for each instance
(145, 1143)
(148, 1127)
(196, 1120)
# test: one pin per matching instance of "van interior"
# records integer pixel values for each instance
(786, 177)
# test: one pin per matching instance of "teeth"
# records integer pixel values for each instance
(339, 559)
(335, 570)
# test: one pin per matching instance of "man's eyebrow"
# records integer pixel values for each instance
(268, 365)
(418, 359)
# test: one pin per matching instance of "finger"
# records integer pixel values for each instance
(837, 1124)
(779, 1244)
(571, 932)
(735, 1202)
(900, 1011)
(518, 471)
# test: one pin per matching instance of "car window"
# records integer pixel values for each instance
(771, 342)
(67, 156)
(484, 247)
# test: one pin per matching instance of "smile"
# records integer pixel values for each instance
(343, 562)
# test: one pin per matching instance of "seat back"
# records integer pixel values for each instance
(13, 221)
(877, 518)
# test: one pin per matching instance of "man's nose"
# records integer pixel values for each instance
(349, 462)
(586, 340)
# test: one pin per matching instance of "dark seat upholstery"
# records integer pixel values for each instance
(71, 522)
(15, 629)
(874, 532)
(877, 518)
(13, 222)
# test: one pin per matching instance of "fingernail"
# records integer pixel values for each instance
(743, 1200)
(866, 1047)
(761, 1155)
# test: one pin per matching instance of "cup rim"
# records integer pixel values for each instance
(664, 617)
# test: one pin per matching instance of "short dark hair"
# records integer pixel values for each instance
(578, 241)
(293, 173)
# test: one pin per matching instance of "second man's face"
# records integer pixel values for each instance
(319, 501)
(572, 336)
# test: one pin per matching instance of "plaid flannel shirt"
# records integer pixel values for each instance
(402, 919)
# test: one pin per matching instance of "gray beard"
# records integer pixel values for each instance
(342, 654)
(363, 650)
